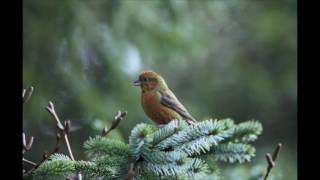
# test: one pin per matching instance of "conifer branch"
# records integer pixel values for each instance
(154, 153)
(271, 159)
(174, 151)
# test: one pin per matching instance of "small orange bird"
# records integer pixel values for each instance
(157, 100)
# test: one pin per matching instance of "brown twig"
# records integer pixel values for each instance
(64, 129)
(26, 146)
(131, 172)
(58, 143)
(29, 162)
(26, 94)
(45, 156)
(115, 122)
(271, 160)
(51, 110)
(105, 131)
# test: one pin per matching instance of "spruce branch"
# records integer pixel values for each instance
(174, 151)
(57, 166)
(154, 153)
(271, 159)
(232, 152)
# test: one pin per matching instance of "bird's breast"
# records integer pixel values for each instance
(151, 104)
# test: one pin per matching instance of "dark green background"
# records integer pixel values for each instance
(222, 59)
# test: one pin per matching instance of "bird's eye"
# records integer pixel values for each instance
(145, 79)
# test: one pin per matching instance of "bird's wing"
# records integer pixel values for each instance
(169, 100)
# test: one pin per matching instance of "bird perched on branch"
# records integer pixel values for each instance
(158, 101)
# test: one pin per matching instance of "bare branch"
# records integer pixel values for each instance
(45, 156)
(104, 132)
(67, 125)
(58, 143)
(29, 145)
(271, 160)
(65, 128)
(115, 122)
(23, 93)
(131, 172)
(26, 94)
(69, 147)
(276, 152)
(51, 110)
(26, 145)
(24, 141)
(29, 162)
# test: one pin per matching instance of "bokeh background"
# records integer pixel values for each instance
(222, 59)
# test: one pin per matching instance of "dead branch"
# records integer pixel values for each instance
(64, 129)
(26, 146)
(26, 94)
(115, 122)
(271, 160)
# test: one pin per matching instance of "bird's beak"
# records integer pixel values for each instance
(137, 83)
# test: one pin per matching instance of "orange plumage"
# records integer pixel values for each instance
(158, 101)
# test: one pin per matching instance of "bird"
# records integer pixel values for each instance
(158, 101)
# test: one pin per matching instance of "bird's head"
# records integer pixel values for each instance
(149, 80)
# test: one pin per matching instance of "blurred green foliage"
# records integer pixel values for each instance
(222, 59)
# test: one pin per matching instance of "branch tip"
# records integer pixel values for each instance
(115, 122)
(104, 131)
(271, 160)
(26, 94)
(276, 152)
(23, 93)
(67, 125)
(27, 145)
(24, 142)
